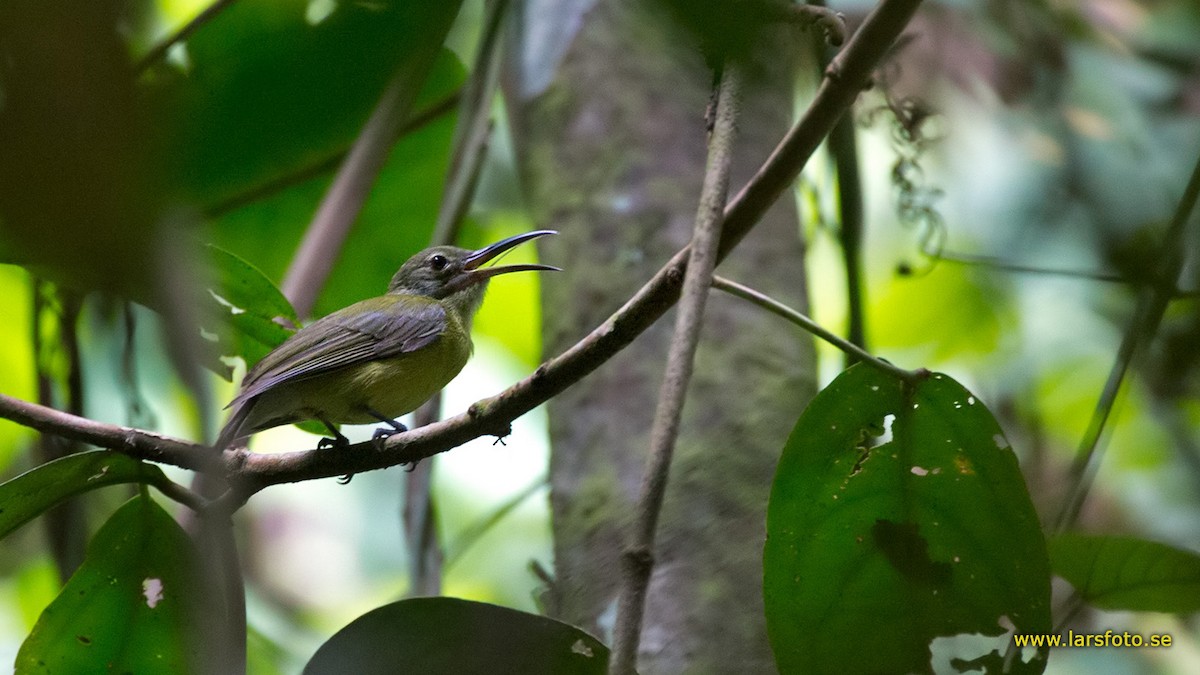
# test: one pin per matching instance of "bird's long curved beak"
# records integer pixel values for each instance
(473, 263)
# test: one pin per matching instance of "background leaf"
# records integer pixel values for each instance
(898, 515)
(1126, 573)
(489, 639)
(25, 497)
(132, 607)
(268, 91)
(271, 98)
(244, 305)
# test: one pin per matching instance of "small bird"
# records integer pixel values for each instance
(379, 358)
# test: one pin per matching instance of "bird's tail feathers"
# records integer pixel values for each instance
(232, 430)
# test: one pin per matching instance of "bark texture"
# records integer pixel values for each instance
(612, 155)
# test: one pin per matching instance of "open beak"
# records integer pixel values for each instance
(473, 262)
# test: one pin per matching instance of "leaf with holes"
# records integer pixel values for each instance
(1124, 573)
(898, 515)
(135, 605)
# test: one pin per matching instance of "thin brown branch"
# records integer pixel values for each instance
(346, 196)
(831, 23)
(178, 493)
(848, 73)
(324, 165)
(843, 146)
(781, 310)
(136, 443)
(1151, 307)
(470, 146)
(59, 310)
(474, 129)
(638, 558)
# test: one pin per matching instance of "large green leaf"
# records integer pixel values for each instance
(433, 636)
(268, 91)
(898, 515)
(256, 124)
(1125, 573)
(397, 221)
(133, 606)
(25, 497)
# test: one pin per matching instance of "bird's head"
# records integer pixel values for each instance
(450, 272)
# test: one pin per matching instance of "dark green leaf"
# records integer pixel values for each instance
(28, 495)
(396, 221)
(132, 607)
(898, 515)
(247, 289)
(433, 636)
(243, 311)
(1124, 573)
(268, 92)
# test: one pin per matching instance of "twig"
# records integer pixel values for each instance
(64, 524)
(1021, 268)
(414, 123)
(493, 415)
(220, 563)
(845, 77)
(470, 145)
(474, 128)
(426, 559)
(133, 442)
(471, 534)
(346, 196)
(779, 309)
(843, 145)
(831, 23)
(160, 50)
(178, 493)
(1148, 315)
(637, 561)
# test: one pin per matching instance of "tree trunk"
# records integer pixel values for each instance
(612, 155)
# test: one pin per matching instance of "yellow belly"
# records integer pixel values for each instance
(390, 387)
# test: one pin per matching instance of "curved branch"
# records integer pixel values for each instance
(127, 440)
(638, 558)
(347, 194)
(781, 310)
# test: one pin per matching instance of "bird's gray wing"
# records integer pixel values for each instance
(373, 329)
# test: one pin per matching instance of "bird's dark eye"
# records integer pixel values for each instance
(438, 262)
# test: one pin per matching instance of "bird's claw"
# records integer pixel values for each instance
(327, 443)
(379, 438)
